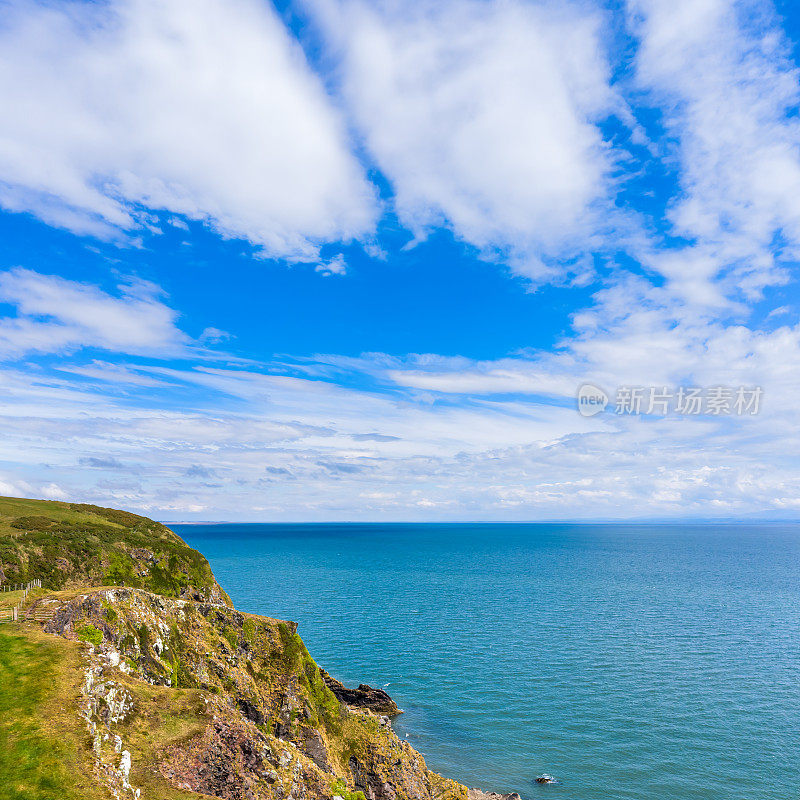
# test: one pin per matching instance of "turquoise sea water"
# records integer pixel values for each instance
(650, 662)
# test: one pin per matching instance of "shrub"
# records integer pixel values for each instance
(88, 633)
(338, 788)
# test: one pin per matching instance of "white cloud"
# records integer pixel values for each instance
(334, 266)
(202, 108)
(482, 115)
(52, 491)
(56, 315)
(436, 438)
(214, 336)
(633, 335)
(722, 76)
(14, 488)
(504, 376)
(111, 373)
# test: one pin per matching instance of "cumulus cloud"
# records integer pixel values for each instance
(55, 315)
(15, 488)
(482, 115)
(201, 108)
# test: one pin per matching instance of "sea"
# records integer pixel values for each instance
(628, 662)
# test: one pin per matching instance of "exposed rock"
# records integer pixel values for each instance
(104, 705)
(183, 690)
(279, 732)
(234, 759)
(479, 794)
(376, 700)
(314, 747)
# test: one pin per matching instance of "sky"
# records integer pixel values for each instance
(354, 260)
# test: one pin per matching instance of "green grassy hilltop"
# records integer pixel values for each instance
(130, 675)
(73, 544)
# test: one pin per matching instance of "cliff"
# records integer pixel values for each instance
(132, 676)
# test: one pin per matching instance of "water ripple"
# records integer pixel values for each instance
(633, 663)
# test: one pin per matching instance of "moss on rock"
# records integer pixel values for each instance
(70, 545)
(184, 695)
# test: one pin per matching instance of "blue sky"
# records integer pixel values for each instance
(340, 259)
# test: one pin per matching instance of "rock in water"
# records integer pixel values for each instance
(364, 696)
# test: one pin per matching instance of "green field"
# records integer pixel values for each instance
(43, 752)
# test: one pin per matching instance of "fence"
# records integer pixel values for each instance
(15, 587)
(13, 614)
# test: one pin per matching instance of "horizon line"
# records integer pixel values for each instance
(634, 521)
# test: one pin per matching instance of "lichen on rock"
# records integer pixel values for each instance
(276, 730)
(240, 708)
(103, 706)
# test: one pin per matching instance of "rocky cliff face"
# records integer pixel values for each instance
(183, 695)
(273, 729)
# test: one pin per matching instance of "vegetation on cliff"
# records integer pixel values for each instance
(74, 544)
(143, 687)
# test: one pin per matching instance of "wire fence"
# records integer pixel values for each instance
(12, 614)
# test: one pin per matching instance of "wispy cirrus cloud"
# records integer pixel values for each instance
(292, 453)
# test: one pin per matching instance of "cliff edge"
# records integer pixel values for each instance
(132, 676)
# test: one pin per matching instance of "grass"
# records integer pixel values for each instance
(88, 633)
(43, 754)
(338, 788)
(163, 717)
(13, 507)
(69, 544)
(10, 599)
